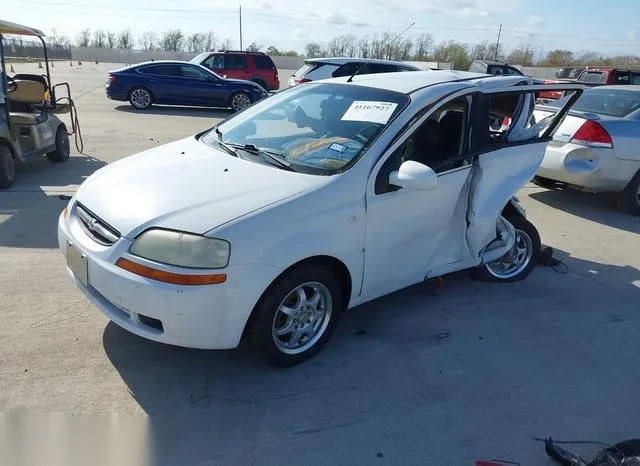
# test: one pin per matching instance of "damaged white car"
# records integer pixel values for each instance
(315, 200)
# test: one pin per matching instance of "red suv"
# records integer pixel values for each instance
(252, 66)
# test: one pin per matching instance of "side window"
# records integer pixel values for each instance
(192, 72)
(512, 71)
(235, 62)
(162, 70)
(263, 62)
(439, 142)
(635, 79)
(622, 77)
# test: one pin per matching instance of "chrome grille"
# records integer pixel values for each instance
(96, 228)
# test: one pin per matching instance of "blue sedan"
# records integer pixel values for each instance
(179, 83)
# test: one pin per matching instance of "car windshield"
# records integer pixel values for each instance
(318, 128)
(611, 102)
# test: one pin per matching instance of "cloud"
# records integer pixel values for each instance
(266, 6)
(536, 21)
(631, 35)
(360, 25)
(337, 18)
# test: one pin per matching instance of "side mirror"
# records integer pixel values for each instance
(414, 175)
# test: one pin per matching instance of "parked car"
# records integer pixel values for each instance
(494, 67)
(179, 83)
(253, 66)
(596, 146)
(608, 76)
(315, 69)
(320, 198)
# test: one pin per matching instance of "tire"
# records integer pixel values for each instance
(140, 98)
(63, 149)
(7, 168)
(528, 239)
(629, 199)
(544, 182)
(239, 101)
(272, 332)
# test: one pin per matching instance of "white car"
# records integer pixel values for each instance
(314, 200)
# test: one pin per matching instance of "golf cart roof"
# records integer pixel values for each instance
(7, 27)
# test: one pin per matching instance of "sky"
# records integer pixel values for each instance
(609, 27)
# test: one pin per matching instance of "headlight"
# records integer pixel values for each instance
(181, 249)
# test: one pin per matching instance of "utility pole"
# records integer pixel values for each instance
(495, 55)
(240, 11)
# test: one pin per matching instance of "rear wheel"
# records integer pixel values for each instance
(7, 168)
(63, 149)
(239, 101)
(297, 315)
(140, 98)
(520, 261)
(629, 199)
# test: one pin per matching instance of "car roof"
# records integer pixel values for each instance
(342, 61)
(164, 62)
(622, 87)
(493, 62)
(408, 83)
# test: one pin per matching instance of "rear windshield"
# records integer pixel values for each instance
(611, 102)
(304, 69)
(592, 77)
(478, 68)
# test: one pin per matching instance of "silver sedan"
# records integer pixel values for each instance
(597, 146)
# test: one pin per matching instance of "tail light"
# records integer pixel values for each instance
(505, 123)
(111, 78)
(592, 134)
(300, 81)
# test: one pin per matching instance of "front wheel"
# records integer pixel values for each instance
(239, 101)
(296, 317)
(520, 261)
(7, 168)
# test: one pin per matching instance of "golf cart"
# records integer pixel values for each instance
(29, 125)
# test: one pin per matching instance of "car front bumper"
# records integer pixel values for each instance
(591, 169)
(200, 316)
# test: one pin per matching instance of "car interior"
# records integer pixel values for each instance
(26, 94)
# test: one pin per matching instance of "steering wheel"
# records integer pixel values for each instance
(12, 85)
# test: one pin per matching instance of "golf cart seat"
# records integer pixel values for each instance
(27, 92)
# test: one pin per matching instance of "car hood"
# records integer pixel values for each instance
(186, 185)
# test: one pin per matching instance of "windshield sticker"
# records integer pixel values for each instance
(337, 147)
(371, 111)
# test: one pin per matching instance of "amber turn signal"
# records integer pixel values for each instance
(170, 277)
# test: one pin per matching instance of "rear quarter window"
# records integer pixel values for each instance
(263, 62)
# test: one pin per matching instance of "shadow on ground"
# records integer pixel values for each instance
(200, 112)
(29, 210)
(426, 375)
(600, 208)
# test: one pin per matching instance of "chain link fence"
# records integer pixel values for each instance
(19, 49)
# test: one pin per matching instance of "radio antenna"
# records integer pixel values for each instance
(384, 47)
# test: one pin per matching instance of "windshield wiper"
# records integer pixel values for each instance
(273, 156)
(228, 147)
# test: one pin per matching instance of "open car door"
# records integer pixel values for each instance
(506, 157)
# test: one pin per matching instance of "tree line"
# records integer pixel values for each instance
(424, 48)
(418, 48)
